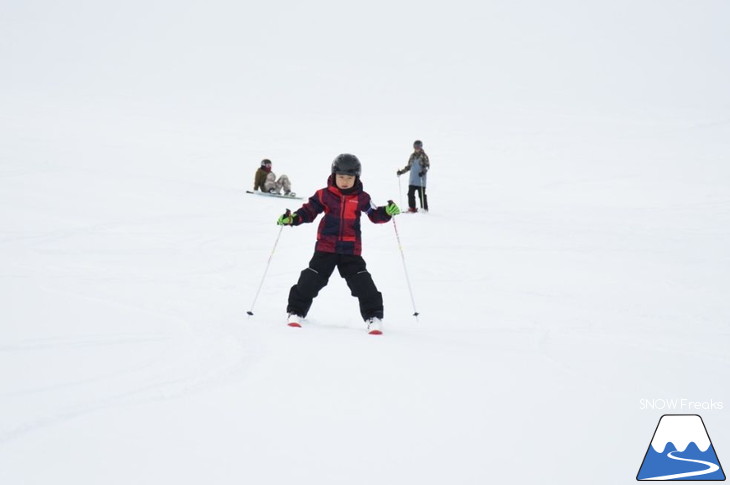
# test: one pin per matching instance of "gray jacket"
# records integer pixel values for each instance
(417, 163)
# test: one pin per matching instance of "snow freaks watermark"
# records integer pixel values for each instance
(681, 405)
(680, 449)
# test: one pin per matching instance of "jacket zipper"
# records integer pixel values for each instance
(342, 216)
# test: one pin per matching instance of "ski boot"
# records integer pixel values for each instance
(375, 326)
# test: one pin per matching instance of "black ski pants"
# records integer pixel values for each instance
(412, 189)
(315, 277)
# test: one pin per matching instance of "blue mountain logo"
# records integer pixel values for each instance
(681, 450)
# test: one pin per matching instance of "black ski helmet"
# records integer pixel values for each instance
(418, 144)
(265, 162)
(346, 164)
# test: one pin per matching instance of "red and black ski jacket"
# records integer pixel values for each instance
(339, 229)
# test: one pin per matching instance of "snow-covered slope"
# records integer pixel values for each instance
(574, 260)
(550, 304)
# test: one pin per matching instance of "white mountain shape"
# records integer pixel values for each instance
(680, 430)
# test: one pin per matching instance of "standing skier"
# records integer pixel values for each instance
(339, 243)
(418, 165)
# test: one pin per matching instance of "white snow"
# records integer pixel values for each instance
(575, 260)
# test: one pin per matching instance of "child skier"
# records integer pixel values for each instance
(418, 165)
(339, 243)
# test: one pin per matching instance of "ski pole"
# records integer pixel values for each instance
(405, 269)
(420, 191)
(250, 312)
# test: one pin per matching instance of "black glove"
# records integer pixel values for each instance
(421, 173)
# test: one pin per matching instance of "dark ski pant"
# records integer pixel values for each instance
(412, 189)
(315, 277)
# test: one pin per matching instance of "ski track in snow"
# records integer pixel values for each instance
(146, 380)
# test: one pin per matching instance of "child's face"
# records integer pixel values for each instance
(344, 182)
